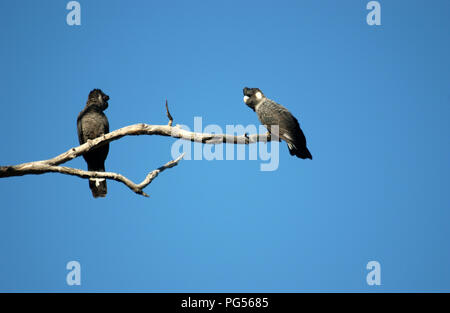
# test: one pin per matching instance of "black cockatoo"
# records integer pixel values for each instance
(271, 113)
(92, 123)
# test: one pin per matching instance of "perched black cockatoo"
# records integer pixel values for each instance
(271, 113)
(92, 123)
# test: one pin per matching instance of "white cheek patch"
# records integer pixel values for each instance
(258, 95)
(100, 98)
(246, 98)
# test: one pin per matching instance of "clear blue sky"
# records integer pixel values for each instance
(374, 102)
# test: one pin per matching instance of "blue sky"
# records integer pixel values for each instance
(373, 101)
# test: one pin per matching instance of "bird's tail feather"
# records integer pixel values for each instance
(302, 153)
(98, 185)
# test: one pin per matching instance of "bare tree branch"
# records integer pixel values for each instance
(137, 130)
(42, 167)
(52, 165)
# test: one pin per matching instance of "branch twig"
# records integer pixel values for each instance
(168, 115)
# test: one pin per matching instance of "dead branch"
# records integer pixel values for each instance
(42, 168)
(52, 165)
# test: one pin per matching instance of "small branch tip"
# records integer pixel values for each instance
(169, 116)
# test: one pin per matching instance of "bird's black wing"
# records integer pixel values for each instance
(290, 131)
(295, 139)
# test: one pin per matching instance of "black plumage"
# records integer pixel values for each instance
(271, 113)
(93, 123)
